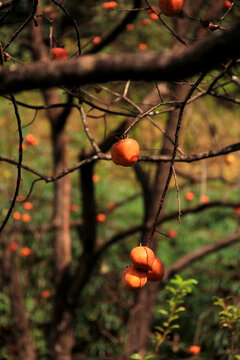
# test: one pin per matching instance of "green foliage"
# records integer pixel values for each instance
(229, 318)
(177, 291)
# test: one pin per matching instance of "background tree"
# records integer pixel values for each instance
(62, 295)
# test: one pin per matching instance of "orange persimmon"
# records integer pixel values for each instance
(31, 140)
(26, 218)
(28, 205)
(13, 246)
(125, 152)
(45, 294)
(171, 7)
(59, 53)
(189, 196)
(17, 215)
(157, 271)
(101, 218)
(25, 251)
(194, 349)
(172, 233)
(142, 257)
(227, 4)
(134, 279)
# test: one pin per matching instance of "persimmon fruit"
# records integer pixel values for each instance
(189, 196)
(74, 208)
(229, 159)
(25, 251)
(171, 7)
(125, 152)
(109, 5)
(157, 270)
(154, 17)
(17, 215)
(142, 46)
(45, 294)
(205, 199)
(28, 205)
(96, 40)
(194, 349)
(13, 247)
(172, 233)
(26, 218)
(31, 140)
(129, 27)
(142, 257)
(133, 278)
(59, 53)
(227, 4)
(101, 218)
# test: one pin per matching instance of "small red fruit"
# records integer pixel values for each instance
(125, 152)
(134, 279)
(96, 40)
(154, 17)
(50, 13)
(111, 205)
(17, 215)
(109, 5)
(205, 199)
(58, 53)
(45, 294)
(157, 271)
(31, 140)
(129, 27)
(20, 198)
(189, 196)
(28, 205)
(13, 247)
(142, 257)
(171, 7)
(150, 10)
(229, 159)
(172, 233)
(142, 46)
(74, 208)
(145, 22)
(237, 211)
(194, 349)
(25, 251)
(26, 218)
(227, 4)
(95, 178)
(101, 218)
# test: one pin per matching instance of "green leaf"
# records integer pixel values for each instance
(159, 328)
(175, 326)
(162, 311)
(148, 357)
(180, 309)
(136, 357)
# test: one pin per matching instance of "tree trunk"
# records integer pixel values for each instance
(62, 335)
(22, 326)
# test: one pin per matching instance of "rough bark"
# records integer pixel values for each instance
(62, 335)
(22, 333)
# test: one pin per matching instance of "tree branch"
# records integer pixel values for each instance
(164, 66)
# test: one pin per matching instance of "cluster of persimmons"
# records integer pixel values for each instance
(146, 266)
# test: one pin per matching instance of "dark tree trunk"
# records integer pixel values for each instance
(22, 332)
(62, 335)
